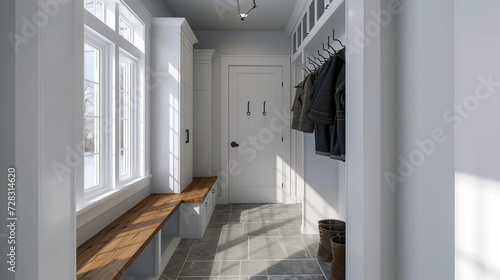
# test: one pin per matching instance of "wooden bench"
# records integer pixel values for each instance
(109, 253)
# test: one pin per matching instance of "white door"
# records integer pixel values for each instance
(255, 134)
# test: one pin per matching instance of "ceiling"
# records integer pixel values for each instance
(271, 15)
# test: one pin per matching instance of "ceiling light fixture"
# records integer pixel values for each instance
(243, 16)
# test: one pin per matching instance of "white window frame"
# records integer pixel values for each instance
(103, 11)
(105, 81)
(113, 48)
(133, 118)
(129, 24)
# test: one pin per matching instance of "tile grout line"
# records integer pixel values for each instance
(315, 259)
(185, 260)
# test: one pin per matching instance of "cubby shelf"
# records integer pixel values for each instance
(332, 18)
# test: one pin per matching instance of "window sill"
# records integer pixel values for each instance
(101, 204)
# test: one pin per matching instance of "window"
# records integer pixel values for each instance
(125, 30)
(113, 102)
(92, 121)
(126, 118)
(95, 7)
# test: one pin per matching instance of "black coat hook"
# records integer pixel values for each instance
(333, 34)
(331, 54)
(248, 108)
(312, 61)
(322, 56)
(264, 112)
(330, 46)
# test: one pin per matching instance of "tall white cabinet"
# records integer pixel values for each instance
(202, 114)
(172, 104)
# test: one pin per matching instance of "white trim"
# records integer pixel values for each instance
(247, 60)
(203, 55)
(135, 141)
(161, 27)
(105, 48)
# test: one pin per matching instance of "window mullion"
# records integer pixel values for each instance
(116, 113)
(134, 119)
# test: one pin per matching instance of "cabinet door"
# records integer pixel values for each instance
(186, 115)
(205, 213)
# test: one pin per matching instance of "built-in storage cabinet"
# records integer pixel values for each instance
(172, 104)
(304, 27)
(194, 217)
(169, 239)
(202, 112)
(320, 8)
(326, 184)
(311, 15)
(155, 257)
(316, 15)
(145, 266)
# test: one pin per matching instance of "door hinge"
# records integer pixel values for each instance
(281, 139)
(281, 185)
(281, 84)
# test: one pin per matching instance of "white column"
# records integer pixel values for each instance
(371, 138)
(426, 141)
(45, 84)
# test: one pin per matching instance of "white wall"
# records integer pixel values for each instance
(324, 187)
(235, 43)
(425, 198)
(44, 129)
(371, 141)
(477, 161)
(7, 120)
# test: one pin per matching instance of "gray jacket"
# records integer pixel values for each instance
(303, 97)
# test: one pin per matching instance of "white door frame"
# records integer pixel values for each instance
(254, 60)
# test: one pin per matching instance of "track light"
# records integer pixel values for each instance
(243, 16)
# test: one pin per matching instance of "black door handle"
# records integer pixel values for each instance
(234, 144)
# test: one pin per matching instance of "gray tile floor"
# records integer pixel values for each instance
(250, 242)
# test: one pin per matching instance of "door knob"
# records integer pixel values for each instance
(234, 144)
